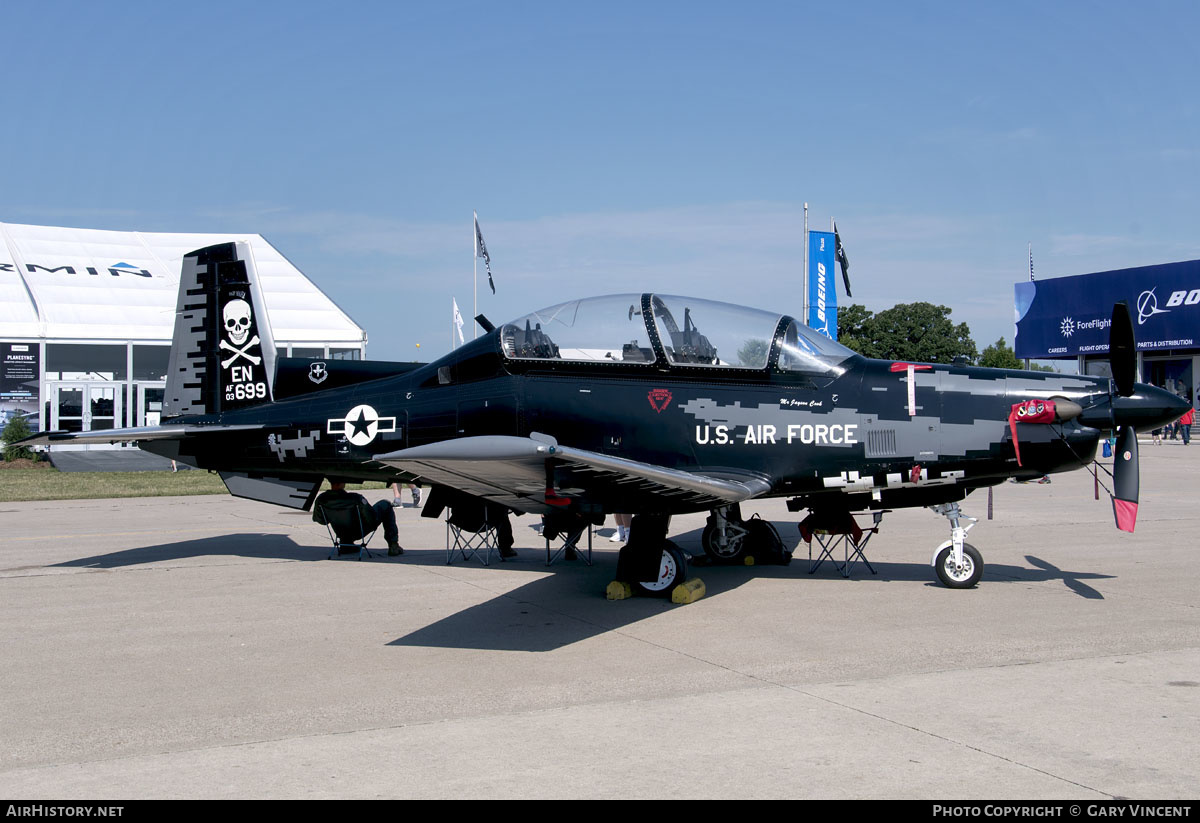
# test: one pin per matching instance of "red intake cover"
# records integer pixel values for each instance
(1029, 411)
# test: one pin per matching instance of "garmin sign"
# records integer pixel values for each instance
(1070, 316)
(116, 269)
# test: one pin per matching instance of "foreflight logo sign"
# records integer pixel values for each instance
(1067, 327)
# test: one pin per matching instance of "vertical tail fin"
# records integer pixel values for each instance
(222, 353)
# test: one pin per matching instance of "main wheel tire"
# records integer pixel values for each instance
(731, 552)
(959, 578)
(672, 570)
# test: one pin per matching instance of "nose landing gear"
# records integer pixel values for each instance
(724, 535)
(958, 564)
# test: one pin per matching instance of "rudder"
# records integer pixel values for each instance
(222, 353)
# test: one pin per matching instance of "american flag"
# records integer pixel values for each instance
(481, 251)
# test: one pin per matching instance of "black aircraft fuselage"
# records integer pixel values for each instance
(831, 438)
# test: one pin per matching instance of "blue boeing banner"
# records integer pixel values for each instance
(822, 295)
(1070, 316)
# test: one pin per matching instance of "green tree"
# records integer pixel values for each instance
(17, 429)
(920, 332)
(852, 323)
(1000, 356)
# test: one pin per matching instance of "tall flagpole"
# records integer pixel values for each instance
(804, 302)
(475, 281)
(1030, 280)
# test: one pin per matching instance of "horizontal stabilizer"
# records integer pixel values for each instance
(132, 435)
(294, 492)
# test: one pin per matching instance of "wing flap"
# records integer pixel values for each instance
(292, 492)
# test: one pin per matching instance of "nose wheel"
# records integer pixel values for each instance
(959, 574)
(958, 564)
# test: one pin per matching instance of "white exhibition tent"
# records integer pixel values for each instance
(81, 285)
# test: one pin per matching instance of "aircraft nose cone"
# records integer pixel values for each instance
(1149, 407)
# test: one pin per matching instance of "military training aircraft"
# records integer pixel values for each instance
(647, 404)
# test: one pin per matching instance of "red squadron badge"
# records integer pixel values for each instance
(659, 398)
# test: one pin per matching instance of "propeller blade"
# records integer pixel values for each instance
(1122, 350)
(1125, 479)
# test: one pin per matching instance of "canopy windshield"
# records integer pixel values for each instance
(707, 333)
(596, 329)
(693, 332)
(807, 350)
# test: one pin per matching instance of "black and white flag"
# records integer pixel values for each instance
(840, 254)
(481, 251)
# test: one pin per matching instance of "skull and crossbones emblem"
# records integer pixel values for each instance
(237, 317)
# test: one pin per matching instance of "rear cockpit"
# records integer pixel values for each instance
(669, 331)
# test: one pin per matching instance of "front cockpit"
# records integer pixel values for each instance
(669, 331)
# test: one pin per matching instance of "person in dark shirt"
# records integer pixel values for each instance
(380, 514)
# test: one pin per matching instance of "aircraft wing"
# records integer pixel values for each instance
(512, 471)
(131, 435)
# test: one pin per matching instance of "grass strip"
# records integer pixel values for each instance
(50, 484)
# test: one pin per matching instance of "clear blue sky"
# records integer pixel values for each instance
(619, 146)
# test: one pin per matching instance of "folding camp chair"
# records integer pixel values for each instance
(470, 534)
(838, 529)
(344, 522)
(567, 544)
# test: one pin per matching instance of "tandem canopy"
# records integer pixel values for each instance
(689, 331)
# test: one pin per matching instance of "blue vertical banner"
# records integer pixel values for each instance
(822, 295)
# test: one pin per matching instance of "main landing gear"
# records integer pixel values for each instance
(727, 538)
(652, 565)
(958, 564)
(725, 535)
